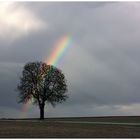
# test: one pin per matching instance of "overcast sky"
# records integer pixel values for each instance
(102, 64)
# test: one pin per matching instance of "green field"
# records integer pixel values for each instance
(86, 127)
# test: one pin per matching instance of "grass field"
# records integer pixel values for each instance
(87, 127)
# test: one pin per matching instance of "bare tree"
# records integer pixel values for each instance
(43, 83)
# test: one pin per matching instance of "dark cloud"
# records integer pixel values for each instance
(102, 65)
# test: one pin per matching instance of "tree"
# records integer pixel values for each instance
(42, 84)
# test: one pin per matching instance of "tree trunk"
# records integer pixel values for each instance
(42, 112)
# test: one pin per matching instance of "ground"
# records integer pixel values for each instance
(89, 127)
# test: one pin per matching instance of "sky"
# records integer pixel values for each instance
(101, 65)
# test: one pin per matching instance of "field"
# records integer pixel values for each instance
(86, 127)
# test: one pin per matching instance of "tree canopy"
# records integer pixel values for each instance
(43, 83)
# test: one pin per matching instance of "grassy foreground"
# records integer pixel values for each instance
(56, 128)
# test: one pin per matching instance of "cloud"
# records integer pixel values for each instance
(5, 112)
(17, 21)
(101, 67)
(92, 110)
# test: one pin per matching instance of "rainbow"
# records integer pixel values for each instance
(60, 48)
(24, 109)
